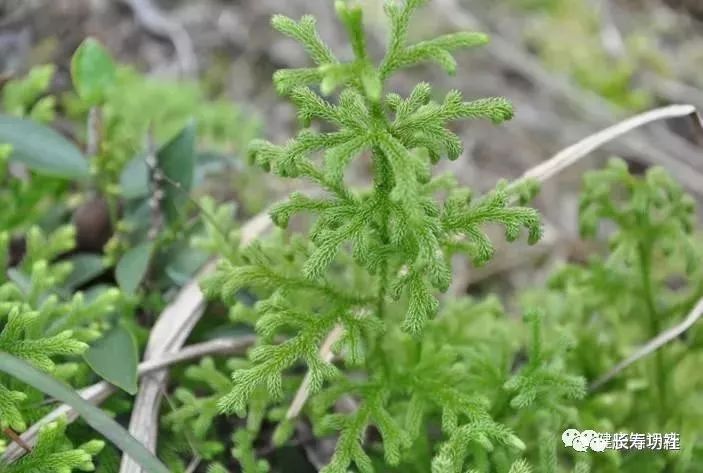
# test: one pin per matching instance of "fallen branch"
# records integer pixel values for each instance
(652, 345)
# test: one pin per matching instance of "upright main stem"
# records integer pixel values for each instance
(654, 327)
(383, 187)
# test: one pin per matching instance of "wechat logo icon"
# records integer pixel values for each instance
(583, 441)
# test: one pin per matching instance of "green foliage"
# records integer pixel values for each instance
(194, 416)
(40, 325)
(375, 257)
(51, 305)
(117, 344)
(567, 35)
(26, 97)
(93, 72)
(543, 379)
(648, 281)
(92, 415)
(413, 381)
(53, 453)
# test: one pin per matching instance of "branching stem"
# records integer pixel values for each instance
(654, 329)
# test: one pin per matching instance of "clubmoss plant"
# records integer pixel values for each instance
(54, 453)
(375, 258)
(646, 282)
(47, 329)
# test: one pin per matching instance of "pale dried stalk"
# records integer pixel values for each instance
(651, 346)
(94, 131)
(168, 335)
(218, 346)
(98, 392)
(573, 153)
(303, 392)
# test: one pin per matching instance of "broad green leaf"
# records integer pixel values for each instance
(132, 267)
(93, 416)
(92, 71)
(86, 266)
(114, 357)
(176, 159)
(134, 181)
(184, 263)
(42, 149)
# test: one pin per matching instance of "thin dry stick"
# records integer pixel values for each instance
(573, 153)
(94, 131)
(17, 439)
(326, 354)
(194, 464)
(652, 345)
(218, 346)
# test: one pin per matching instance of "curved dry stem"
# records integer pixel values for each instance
(651, 346)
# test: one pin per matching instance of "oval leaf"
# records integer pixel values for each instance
(184, 263)
(93, 416)
(114, 357)
(92, 71)
(134, 181)
(42, 149)
(132, 267)
(176, 159)
(86, 266)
